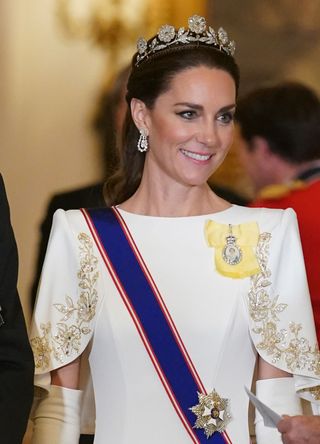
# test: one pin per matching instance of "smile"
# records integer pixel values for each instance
(196, 156)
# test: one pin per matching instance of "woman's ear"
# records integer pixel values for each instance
(261, 148)
(139, 113)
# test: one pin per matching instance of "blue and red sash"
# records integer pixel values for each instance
(150, 316)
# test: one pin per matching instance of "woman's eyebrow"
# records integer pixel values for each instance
(200, 107)
(189, 105)
(228, 108)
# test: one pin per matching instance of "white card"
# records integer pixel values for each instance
(270, 417)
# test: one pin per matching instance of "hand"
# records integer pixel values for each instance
(300, 429)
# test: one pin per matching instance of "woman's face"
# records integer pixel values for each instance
(190, 126)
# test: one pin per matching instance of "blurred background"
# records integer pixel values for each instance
(58, 57)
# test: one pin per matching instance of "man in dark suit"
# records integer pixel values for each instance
(16, 359)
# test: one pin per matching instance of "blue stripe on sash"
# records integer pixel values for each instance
(150, 315)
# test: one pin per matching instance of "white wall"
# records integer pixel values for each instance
(48, 87)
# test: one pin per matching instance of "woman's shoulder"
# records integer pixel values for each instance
(266, 217)
(74, 219)
(69, 228)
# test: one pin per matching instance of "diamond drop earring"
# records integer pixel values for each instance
(143, 141)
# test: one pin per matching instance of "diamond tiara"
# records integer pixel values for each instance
(197, 33)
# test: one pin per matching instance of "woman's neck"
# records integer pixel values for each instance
(181, 201)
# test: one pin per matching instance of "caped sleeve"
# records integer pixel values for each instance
(280, 314)
(67, 300)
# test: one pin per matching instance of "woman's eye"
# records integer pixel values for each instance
(226, 117)
(187, 114)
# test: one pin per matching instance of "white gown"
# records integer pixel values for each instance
(222, 321)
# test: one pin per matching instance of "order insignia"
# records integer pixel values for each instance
(235, 248)
(212, 412)
(231, 253)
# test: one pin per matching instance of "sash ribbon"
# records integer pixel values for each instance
(151, 317)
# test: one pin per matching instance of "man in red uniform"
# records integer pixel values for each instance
(279, 144)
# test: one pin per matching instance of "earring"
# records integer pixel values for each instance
(143, 141)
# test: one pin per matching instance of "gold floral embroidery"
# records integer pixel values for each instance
(288, 344)
(41, 347)
(76, 316)
(314, 392)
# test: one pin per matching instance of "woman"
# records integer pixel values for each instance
(174, 292)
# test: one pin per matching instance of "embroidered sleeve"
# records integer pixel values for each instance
(280, 314)
(67, 299)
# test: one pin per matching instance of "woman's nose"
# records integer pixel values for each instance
(208, 134)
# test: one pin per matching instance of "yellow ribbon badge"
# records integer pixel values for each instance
(234, 248)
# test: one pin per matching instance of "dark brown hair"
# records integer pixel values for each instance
(146, 82)
(287, 115)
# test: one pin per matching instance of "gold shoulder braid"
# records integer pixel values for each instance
(280, 190)
(64, 339)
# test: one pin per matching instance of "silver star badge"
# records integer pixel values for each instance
(212, 412)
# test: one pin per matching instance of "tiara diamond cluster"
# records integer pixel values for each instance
(197, 32)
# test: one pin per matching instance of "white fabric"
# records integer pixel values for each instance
(57, 417)
(280, 396)
(215, 315)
